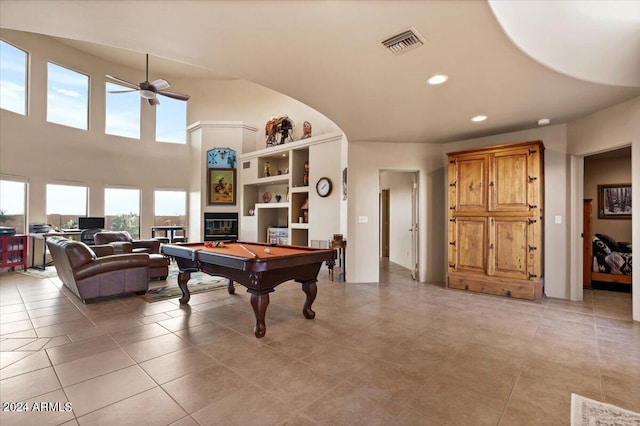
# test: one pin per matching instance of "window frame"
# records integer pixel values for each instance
(106, 111)
(186, 120)
(88, 109)
(25, 195)
(155, 198)
(27, 75)
(69, 184)
(109, 222)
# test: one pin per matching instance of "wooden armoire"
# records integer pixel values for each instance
(495, 228)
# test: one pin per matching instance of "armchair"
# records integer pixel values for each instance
(89, 276)
(124, 243)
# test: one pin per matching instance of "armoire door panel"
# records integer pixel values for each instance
(471, 183)
(470, 244)
(508, 186)
(510, 251)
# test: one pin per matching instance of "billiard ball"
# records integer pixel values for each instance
(267, 250)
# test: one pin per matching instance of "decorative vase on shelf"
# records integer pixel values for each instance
(305, 178)
(278, 198)
(266, 197)
(267, 169)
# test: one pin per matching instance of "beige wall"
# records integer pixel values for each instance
(607, 171)
(366, 160)
(42, 152)
(605, 130)
(39, 152)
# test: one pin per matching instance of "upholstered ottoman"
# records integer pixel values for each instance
(158, 266)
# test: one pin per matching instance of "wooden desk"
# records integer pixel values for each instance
(169, 231)
(43, 236)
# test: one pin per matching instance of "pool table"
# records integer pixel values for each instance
(257, 266)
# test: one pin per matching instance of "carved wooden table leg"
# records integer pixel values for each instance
(259, 302)
(230, 288)
(310, 289)
(330, 265)
(183, 278)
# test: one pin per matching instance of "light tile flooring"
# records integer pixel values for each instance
(390, 353)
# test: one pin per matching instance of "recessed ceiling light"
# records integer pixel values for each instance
(437, 79)
(478, 118)
(543, 122)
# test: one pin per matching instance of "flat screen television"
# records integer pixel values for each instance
(91, 223)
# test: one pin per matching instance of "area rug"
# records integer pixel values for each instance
(588, 412)
(49, 272)
(168, 289)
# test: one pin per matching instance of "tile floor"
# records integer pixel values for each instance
(393, 353)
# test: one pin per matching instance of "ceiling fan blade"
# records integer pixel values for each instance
(123, 91)
(174, 95)
(154, 101)
(160, 84)
(123, 82)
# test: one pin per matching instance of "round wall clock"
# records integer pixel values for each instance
(323, 187)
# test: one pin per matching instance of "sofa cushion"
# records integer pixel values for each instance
(609, 242)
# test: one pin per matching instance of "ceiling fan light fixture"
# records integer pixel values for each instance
(147, 94)
(437, 79)
(479, 118)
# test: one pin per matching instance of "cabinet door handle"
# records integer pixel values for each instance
(491, 246)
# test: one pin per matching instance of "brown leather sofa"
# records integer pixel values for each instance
(119, 239)
(122, 242)
(89, 276)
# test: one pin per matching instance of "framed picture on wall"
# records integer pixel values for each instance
(614, 201)
(221, 184)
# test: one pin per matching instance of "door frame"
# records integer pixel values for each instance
(576, 242)
(385, 207)
(415, 216)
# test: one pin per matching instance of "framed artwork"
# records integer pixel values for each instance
(221, 158)
(221, 184)
(344, 184)
(614, 201)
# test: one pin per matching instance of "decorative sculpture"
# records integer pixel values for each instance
(281, 126)
(305, 178)
(306, 130)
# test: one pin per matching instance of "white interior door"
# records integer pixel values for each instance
(415, 209)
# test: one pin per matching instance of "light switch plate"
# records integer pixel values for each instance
(363, 219)
(558, 220)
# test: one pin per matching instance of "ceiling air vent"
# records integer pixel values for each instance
(403, 42)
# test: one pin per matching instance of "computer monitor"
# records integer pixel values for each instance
(91, 223)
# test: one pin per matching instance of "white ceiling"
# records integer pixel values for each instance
(328, 55)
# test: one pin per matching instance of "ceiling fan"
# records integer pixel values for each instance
(149, 90)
